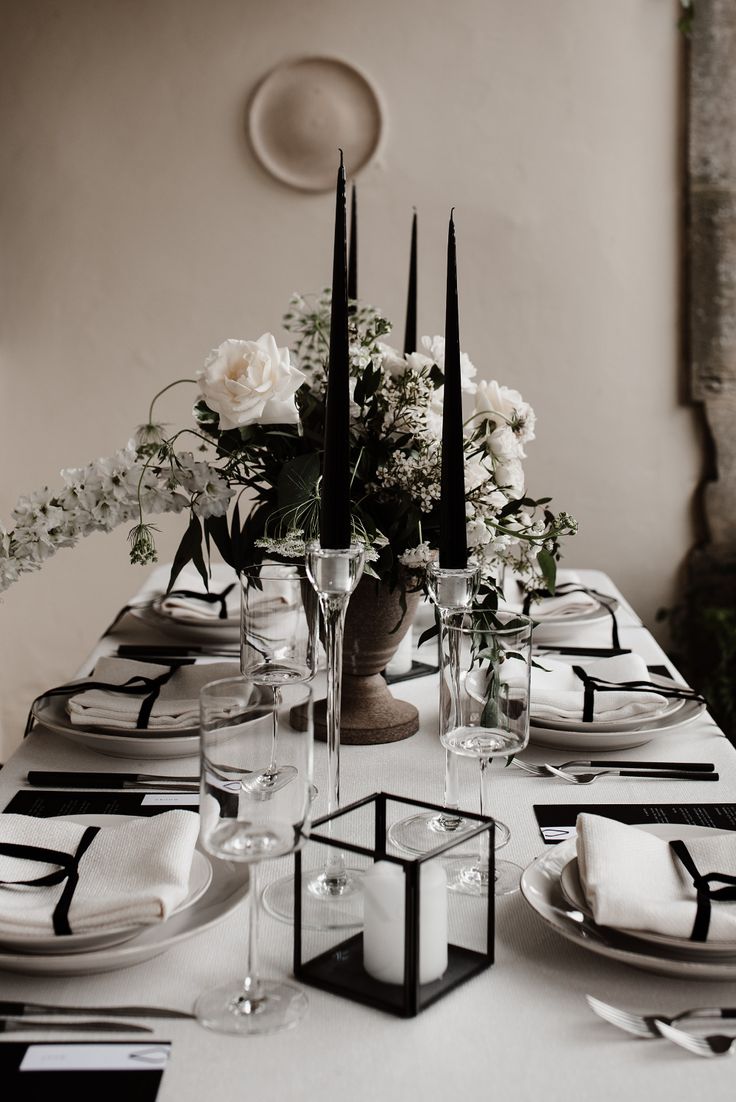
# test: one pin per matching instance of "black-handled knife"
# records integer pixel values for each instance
(18, 1025)
(42, 779)
(691, 766)
(30, 1010)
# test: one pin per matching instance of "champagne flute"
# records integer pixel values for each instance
(245, 822)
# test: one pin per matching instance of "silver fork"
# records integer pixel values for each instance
(647, 1026)
(716, 1044)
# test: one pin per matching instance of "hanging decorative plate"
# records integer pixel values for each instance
(303, 111)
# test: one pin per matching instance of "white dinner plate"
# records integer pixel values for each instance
(51, 713)
(631, 723)
(199, 879)
(592, 737)
(189, 626)
(572, 889)
(228, 885)
(550, 628)
(541, 888)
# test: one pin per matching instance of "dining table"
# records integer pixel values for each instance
(522, 1029)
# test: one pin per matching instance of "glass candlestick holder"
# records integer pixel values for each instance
(451, 590)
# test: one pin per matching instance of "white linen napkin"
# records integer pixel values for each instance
(133, 873)
(557, 693)
(633, 881)
(176, 707)
(190, 608)
(563, 604)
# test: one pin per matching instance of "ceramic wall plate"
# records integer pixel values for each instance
(305, 110)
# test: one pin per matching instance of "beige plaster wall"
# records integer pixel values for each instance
(137, 231)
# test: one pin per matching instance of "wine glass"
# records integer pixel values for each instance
(487, 717)
(278, 638)
(452, 590)
(241, 820)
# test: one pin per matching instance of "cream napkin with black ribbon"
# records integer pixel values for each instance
(571, 598)
(168, 695)
(558, 692)
(63, 877)
(188, 600)
(633, 880)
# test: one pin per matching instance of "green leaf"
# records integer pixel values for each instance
(548, 566)
(189, 550)
(297, 480)
(217, 528)
(430, 633)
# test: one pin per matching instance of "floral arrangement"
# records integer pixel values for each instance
(258, 431)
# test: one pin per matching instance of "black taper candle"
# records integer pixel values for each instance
(410, 335)
(353, 251)
(335, 527)
(453, 542)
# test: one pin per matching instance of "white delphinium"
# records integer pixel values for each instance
(209, 491)
(101, 496)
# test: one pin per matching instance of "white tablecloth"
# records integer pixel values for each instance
(522, 1030)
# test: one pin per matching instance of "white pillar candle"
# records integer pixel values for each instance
(383, 922)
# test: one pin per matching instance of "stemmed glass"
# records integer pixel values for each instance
(451, 590)
(332, 897)
(488, 717)
(278, 638)
(246, 822)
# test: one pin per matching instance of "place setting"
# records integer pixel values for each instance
(91, 893)
(605, 703)
(633, 893)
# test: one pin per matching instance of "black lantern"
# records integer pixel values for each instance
(419, 940)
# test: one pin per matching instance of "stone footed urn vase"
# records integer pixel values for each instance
(378, 618)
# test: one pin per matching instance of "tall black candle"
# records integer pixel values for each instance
(410, 335)
(453, 542)
(353, 253)
(334, 528)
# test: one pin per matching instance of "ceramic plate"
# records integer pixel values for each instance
(632, 723)
(303, 111)
(228, 885)
(199, 880)
(51, 713)
(541, 888)
(593, 738)
(189, 627)
(572, 890)
(562, 629)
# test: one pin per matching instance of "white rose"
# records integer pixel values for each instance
(503, 444)
(251, 381)
(494, 402)
(435, 349)
(510, 476)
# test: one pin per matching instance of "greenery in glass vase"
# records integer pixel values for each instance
(254, 488)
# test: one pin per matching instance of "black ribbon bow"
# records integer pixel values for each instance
(573, 587)
(208, 598)
(68, 871)
(138, 685)
(593, 685)
(704, 892)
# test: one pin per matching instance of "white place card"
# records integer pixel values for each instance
(175, 799)
(96, 1057)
